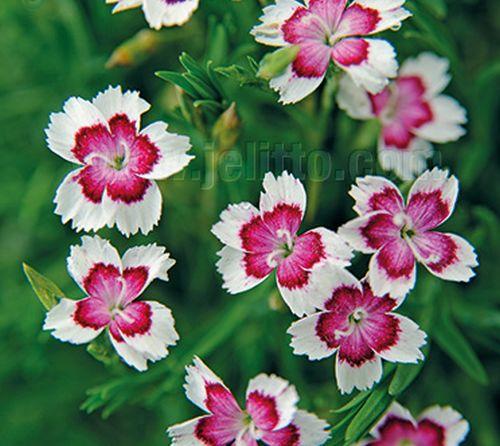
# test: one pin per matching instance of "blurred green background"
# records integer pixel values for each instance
(53, 49)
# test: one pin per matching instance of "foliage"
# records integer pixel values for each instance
(56, 49)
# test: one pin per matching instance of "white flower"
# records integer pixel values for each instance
(412, 111)
(139, 331)
(118, 162)
(160, 13)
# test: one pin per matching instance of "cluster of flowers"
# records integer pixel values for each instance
(340, 315)
(271, 416)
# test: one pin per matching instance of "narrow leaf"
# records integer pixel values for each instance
(405, 374)
(373, 408)
(179, 80)
(452, 341)
(353, 402)
(47, 291)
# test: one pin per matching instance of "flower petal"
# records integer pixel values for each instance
(142, 265)
(77, 114)
(284, 189)
(208, 392)
(206, 430)
(406, 163)
(242, 271)
(85, 214)
(292, 86)
(185, 434)
(307, 336)
(330, 11)
(295, 288)
(232, 221)
(395, 413)
(373, 193)
(93, 251)
(446, 125)
(159, 13)
(123, 5)
(306, 429)
(369, 62)
(271, 402)
(455, 427)
(405, 345)
(130, 355)
(447, 256)
(370, 232)
(354, 100)
(142, 214)
(172, 151)
(147, 327)
(270, 32)
(114, 101)
(365, 17)
(431, 69)
(361, 377)
(335, 248)
(77, 322)
(334, 287)
(392, 270)
(432, 199)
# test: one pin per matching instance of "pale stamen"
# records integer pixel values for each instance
(285, 233)
(355, 318)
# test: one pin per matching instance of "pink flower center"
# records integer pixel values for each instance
(355, 321)
(285, 246)
(405, 225)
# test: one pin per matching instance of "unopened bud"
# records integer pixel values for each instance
(226, 130)
(135, 50)
(274, 64)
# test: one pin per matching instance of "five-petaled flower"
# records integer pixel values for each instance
(436, 426)
(400, 234)
(160, 13)
(271, 414)
(262, 240)
(139, 331)
(114, 184)
(331, 30)
(412, 111)
(359, 326)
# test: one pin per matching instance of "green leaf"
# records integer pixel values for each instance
(436, 7)
(101, 350)
(337, 432)
(47, 291)
(450, 339)
(204, 89)
(373, 408)
(240, 74)
(193, 67)
(218, 45)
(275, 63)
(179, 80)
(405, 374)
(353, 402)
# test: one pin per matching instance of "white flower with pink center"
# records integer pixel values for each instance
(412, 111)
(436, 426)
(271, 415)
(114, 184)
(139, 331)
(331, 31)
(400, 235)
(359, 326)
(160, 13)
(260, 241)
